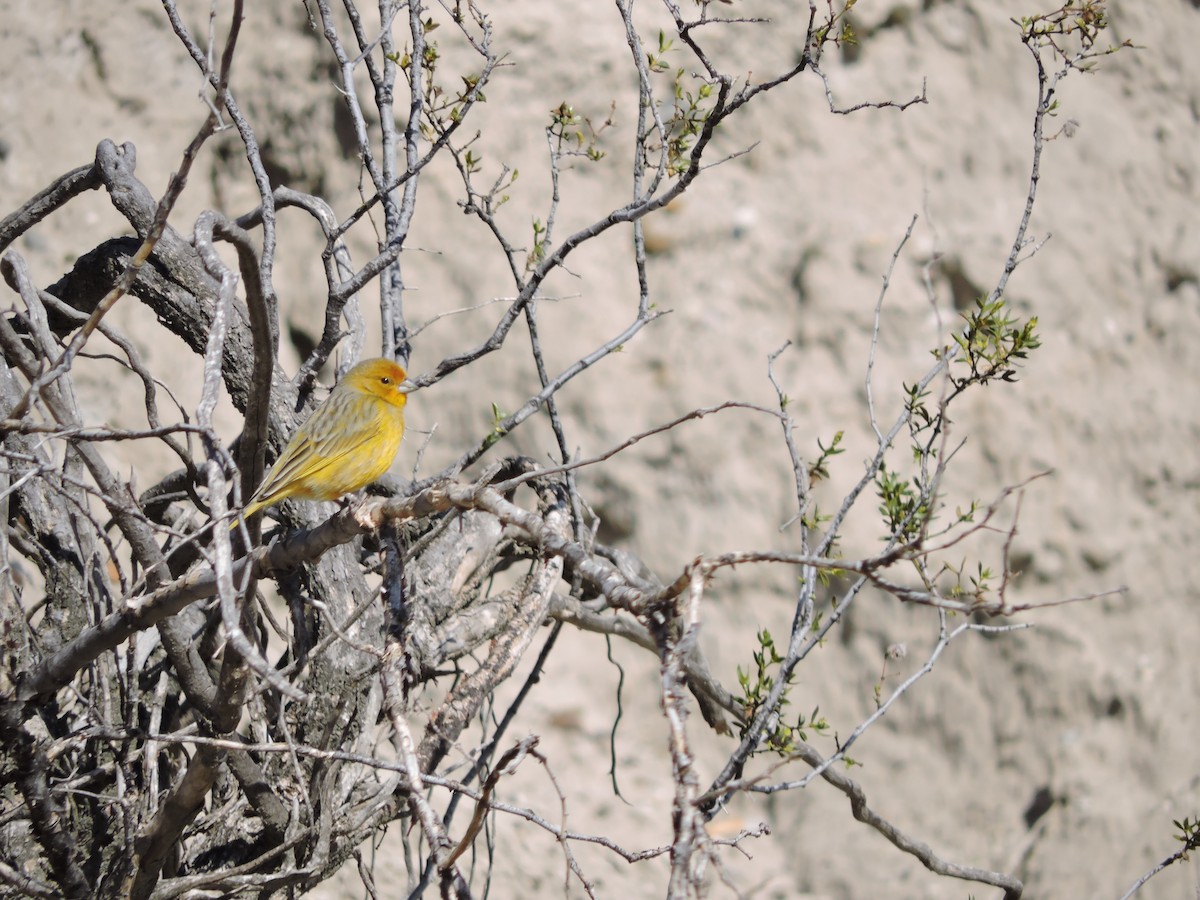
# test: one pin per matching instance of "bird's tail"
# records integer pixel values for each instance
(256, 506)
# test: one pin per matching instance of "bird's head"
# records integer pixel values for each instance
(384, 378)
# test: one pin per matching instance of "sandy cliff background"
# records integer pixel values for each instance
(1060, 753)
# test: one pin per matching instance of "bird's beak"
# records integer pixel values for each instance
(407, 386)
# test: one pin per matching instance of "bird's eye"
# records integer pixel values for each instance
(386, 380)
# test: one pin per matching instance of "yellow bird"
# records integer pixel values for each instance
(349, 441)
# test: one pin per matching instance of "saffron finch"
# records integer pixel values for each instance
(348, 442)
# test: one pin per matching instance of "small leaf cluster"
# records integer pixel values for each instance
(818, 470)
(1085, 20)
(902, 504)
(655, 61)
(690, 110)
(1189, 835)
(993, 344)
(756, 684)
(441, 107)
(1071, 33)
(565, 128)
(967, 587)
(686, 123)
(812, 518)
(566, 133)
(537, 252)
(498, 430)
(837, 30)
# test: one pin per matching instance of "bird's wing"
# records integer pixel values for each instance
(327, 438)
(313, 457)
